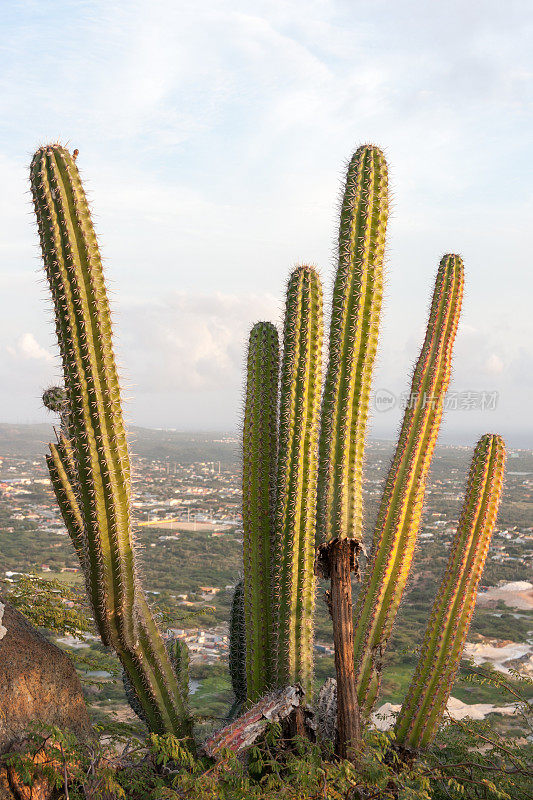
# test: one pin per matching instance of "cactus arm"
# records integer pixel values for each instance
(66, 454)
(454, 604)
(61, 479)
(179, 655)
(96, 431)
(237, 649)
(401, 506)
(296, 478)
(164, 684)
(61, 466)
(259, 464)
(355, 316)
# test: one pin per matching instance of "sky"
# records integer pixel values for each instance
(213, 139)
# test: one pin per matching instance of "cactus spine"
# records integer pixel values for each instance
(301, 376)
(352, 345)
(237, 649)
(401, 506)
(97, 466)
(258, 506)
(454, 604)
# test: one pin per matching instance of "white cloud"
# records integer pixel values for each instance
(212, 139)
(494, 365)
(27, 347)
(188, 342)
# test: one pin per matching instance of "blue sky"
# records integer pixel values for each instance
(213, 138)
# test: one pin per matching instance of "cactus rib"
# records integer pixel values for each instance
(296, 478)
(454, 604)
(401, 506)
(259, 465)
(97, 436)
(355, 316)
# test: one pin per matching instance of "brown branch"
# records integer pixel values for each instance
(244, 731)
(337, 560)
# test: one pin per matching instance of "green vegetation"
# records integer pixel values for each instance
(161, 768)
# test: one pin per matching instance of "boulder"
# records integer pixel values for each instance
(38, 683)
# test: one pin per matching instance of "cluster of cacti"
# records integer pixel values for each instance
(338, 512)
(280, 438)
(89, 467)
(302, 475)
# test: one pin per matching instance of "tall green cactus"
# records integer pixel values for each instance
(354, 328)
(454, 604)
(90, 470)
(301, 376)
(355, 314)
(258, 506)
(401, 506)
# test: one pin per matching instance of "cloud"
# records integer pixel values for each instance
(189, 341)
(212, 139)
(27, 347)
(494, 365)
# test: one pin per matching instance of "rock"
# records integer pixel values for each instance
(384, 718)
(38, 683)
(5, 788)
(14, 787)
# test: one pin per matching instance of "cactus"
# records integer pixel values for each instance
(401, 505)
(178, 653)
(258, 506)
(237, 649)
(93, 468)
(55, 400)
(180, 659)
(61, 468)
(298, 488)
(355, 314)
(296, 478)
(446, 632)
(352, 345)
